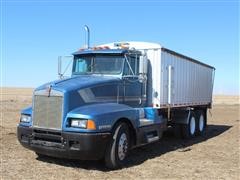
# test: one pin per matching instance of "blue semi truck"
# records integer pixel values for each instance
(120, 96)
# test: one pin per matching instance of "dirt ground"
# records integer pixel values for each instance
(215, 155)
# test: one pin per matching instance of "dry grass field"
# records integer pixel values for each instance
(216, 155)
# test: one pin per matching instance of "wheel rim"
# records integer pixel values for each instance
(201, 123)
(192, 126)
(122, 146)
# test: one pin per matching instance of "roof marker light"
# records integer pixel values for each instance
(122, 45)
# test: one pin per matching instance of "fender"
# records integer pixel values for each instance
(27, 111)
(105, 116)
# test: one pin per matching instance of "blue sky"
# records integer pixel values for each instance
(35, 33)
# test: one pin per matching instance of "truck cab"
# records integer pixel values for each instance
(99, 112)
(114, 64)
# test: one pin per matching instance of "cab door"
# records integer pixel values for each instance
(133, 88)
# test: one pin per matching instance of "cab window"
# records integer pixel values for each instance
(134, 63)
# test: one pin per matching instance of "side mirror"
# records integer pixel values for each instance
(143, 65)
(64, 62)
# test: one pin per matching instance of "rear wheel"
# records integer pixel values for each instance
(201, 123)
(189, 129)
(118, 149)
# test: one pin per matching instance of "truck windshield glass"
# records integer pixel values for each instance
(98, 64)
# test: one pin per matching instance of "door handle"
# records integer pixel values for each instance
(140, 100)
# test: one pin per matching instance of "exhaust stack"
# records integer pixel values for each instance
(87, 37)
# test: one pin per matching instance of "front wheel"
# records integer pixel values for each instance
(118, 148)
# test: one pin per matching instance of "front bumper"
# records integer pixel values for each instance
(84, 146)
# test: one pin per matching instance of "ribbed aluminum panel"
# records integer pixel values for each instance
(191, 83)
(47, 111)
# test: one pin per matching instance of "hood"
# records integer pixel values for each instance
(79, 82)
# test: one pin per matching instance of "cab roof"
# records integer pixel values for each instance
(104, 51)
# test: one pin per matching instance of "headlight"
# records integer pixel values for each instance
(25, 118)
(80, 123)
(83, 123)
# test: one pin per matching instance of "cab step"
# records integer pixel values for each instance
(152, 136)
(145, 122)
(152, 139)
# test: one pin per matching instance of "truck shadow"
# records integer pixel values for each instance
(139, 155)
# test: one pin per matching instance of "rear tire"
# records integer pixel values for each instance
(117, 150)
(201, 123)
(189, 130)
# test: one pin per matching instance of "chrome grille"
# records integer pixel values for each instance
(47, 111)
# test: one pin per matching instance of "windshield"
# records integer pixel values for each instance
(98, 64)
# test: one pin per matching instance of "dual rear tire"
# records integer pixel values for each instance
(202, 123)
(189, 129)
(196, 125)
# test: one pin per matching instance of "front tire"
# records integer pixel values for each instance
(118, 148)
